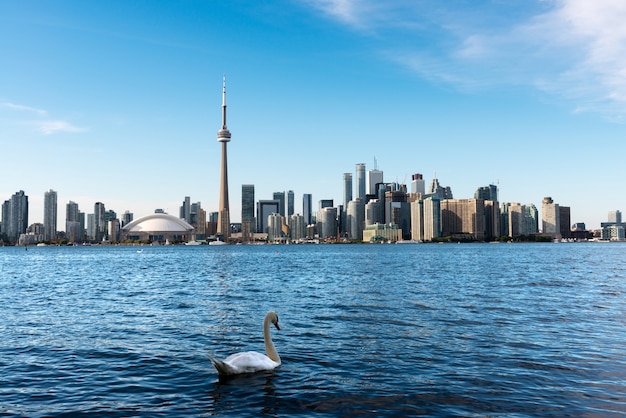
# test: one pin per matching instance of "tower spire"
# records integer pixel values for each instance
(223, 135)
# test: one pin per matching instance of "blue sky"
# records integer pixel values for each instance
(119, 101)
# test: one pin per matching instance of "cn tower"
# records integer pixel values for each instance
(223, 136)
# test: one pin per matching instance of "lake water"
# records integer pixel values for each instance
(366, 330)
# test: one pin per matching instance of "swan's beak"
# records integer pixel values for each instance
(276, 325)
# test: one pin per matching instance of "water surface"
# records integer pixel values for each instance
(438, 330)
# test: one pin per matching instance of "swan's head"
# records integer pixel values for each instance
(273, 317)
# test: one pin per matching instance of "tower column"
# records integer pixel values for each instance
(223, 216)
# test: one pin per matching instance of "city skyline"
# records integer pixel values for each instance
(116, 102)
(279, 206)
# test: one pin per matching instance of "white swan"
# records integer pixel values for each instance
(251, 361)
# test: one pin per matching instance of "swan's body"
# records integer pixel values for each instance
(251, 361)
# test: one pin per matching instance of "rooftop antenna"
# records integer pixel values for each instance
(375, 164)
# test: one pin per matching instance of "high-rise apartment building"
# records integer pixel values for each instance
(185, 210)
(297, 227)
(355, 219)
(417, 220)
(91, 226)
(248, 222)
(50, 215)
(114, 230)
(100, 223)
(74, 223)
(274, 227)
(463, 217)
(492, 220)
(360, 181)
(565, 221)
(4, 222)
(531, 219)
(516, 214)
(15, 216)
(127, 218)
(374, 212)
(551, 222)
(327, 222)
(432, 218)
(517, 219)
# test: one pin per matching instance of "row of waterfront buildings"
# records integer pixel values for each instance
(372, 210)
(377, 211)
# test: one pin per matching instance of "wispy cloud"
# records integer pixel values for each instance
(43, 124)
(18, 107)
(574, 50)
(50, 127)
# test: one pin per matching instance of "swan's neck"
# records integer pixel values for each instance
(270, 350)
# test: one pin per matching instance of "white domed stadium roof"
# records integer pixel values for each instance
(158, 222)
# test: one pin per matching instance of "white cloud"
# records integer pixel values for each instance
(50, 127)
(43, 125)
(23, 108)
(573, 50)
(344, 10)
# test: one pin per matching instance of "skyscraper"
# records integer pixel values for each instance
(290, 203)
(280, 196)
(374, 177)
(487, 193)
(355, 219)
(551, 221)
(50, 215)
(432, 218)
(417, 220)
(247, 208)
(15, 216)
(347, 197)
(127, 218)
(360, 181)
(223, 136)
(327, 222)
(439, 191)
(464, 217)
(74, 223)
(264, 208)
(417, 184)
(100, 224)
(297, 228)
(185, 210)
(347, 189)
(307, 208)
(615, 216)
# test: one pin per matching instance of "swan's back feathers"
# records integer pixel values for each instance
(246, 362)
